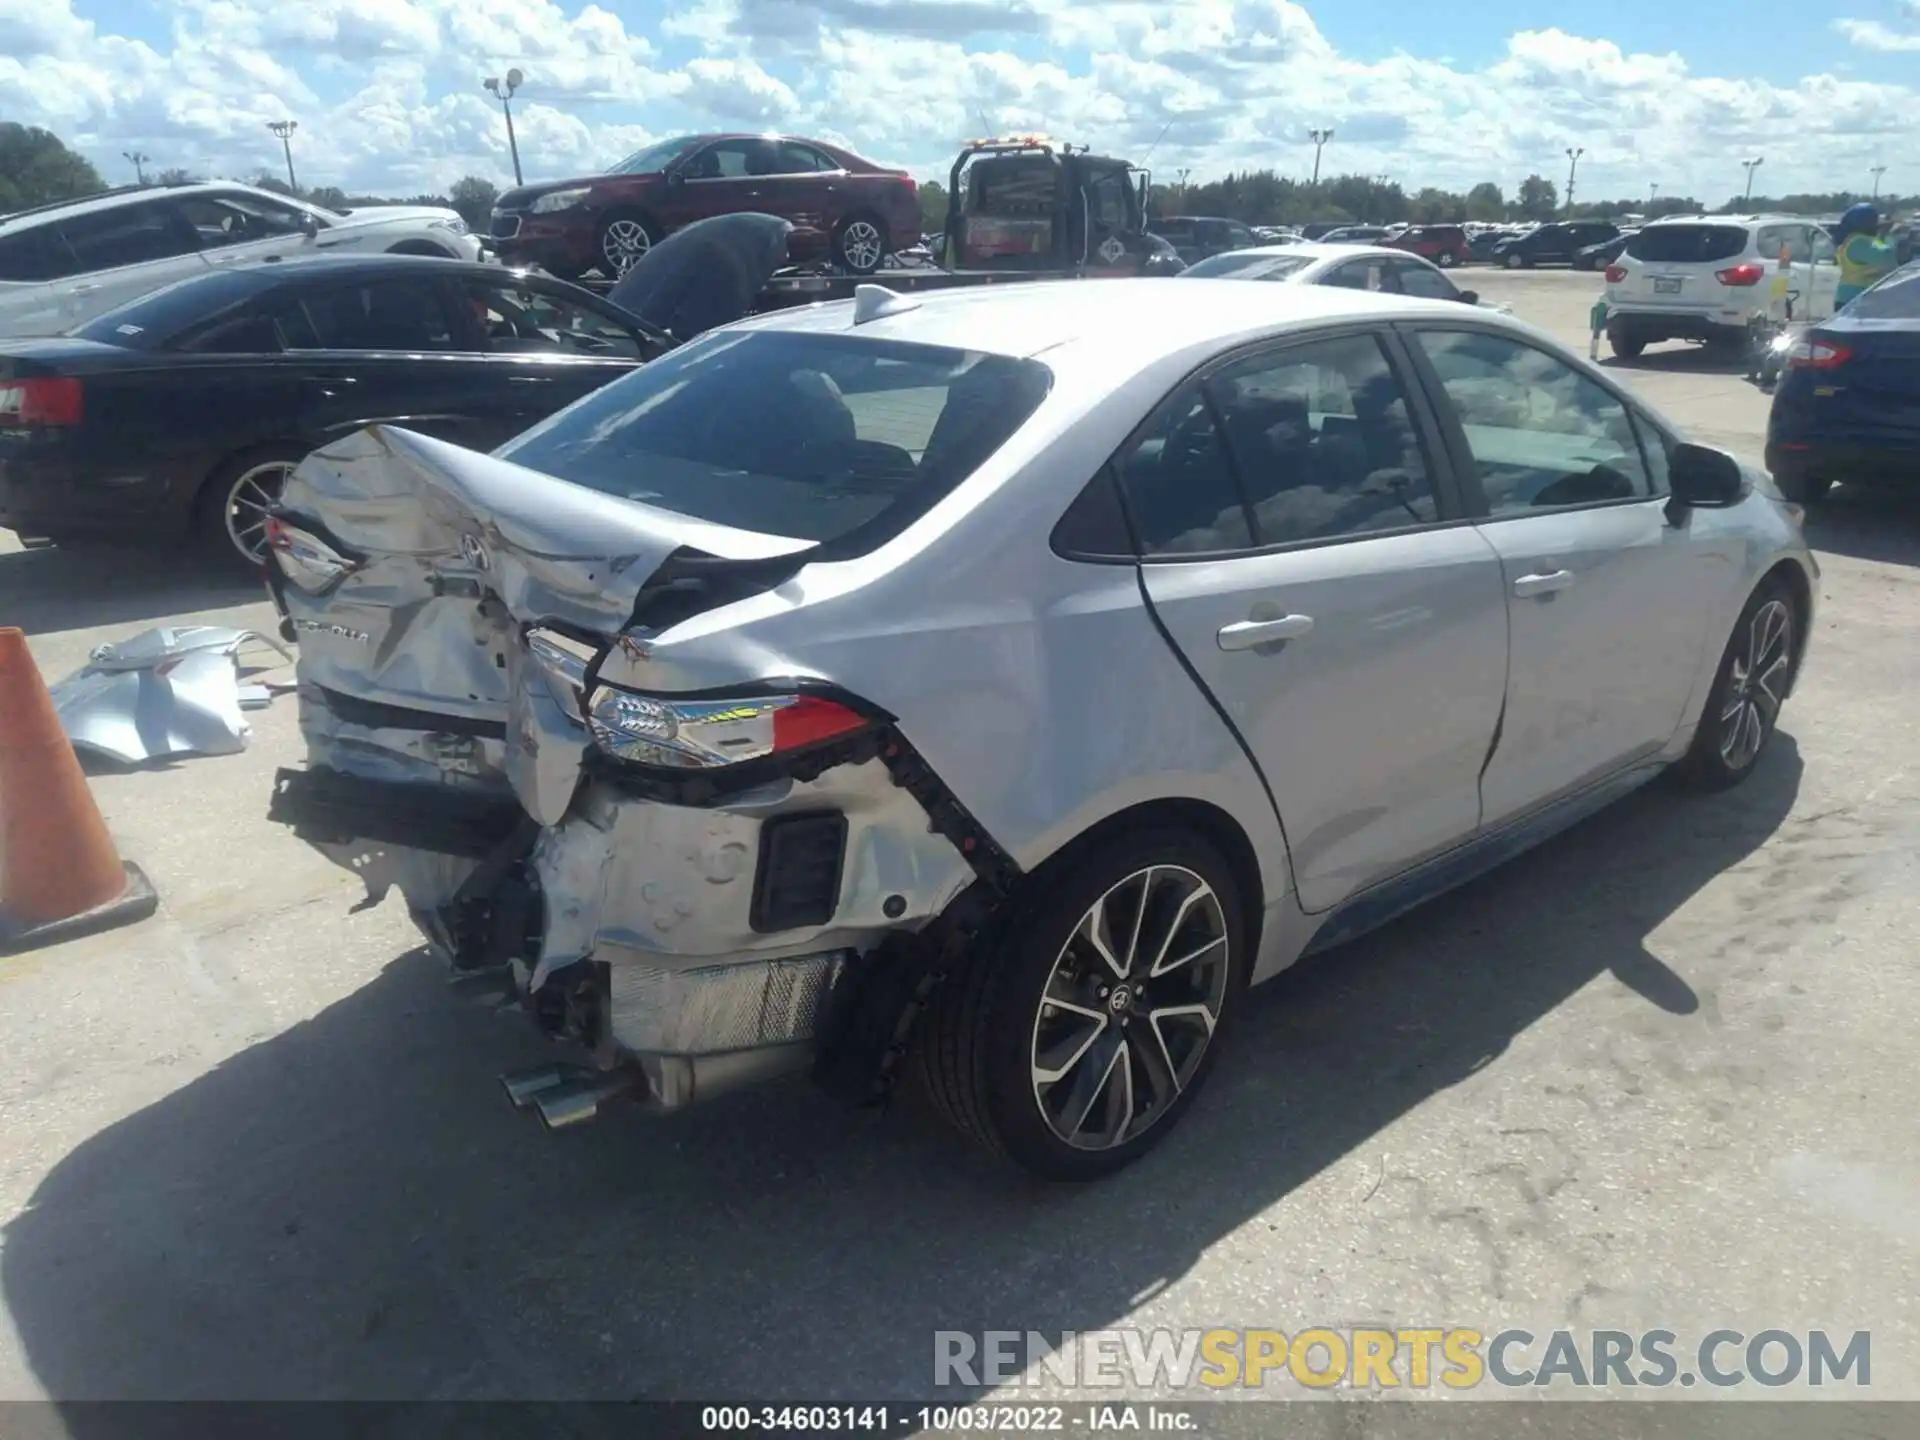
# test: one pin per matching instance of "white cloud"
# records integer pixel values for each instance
(1877, 35)
(387, 91)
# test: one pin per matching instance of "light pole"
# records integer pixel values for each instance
(284, 129)
(503, 91)
(1878, 171)
(1573, 164)
(138, 159)
(1752, 165)
(1653, 193)
(1319, 138)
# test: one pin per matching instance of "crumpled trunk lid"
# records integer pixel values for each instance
(454, 554)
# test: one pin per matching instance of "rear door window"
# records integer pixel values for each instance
(126, 235)
(1687, 244)
(404, 315)
(830, 438)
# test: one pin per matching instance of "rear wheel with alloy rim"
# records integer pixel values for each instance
(1446, 260)
(1080, 1031)
(1756, 672)
(234, 504)
(624, 238)
(860, 244)
(1514, 260)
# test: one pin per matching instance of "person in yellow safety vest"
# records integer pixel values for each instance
(1865, 259)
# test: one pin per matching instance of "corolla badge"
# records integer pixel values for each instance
(475, 553)
(338, 632)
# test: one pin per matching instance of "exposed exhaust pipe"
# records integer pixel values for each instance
(578, 1101)
(568, 1095)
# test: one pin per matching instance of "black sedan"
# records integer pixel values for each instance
(1551, 244)
(179, 415)
(1598, 257)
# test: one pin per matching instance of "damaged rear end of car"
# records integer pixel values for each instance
(542, 710)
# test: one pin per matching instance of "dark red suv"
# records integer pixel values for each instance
(1444, 245)
(842, 207)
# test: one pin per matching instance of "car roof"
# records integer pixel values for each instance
(1325, 250)
(1030, 318)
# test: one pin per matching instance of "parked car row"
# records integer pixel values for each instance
(178, 415)
(62, 264)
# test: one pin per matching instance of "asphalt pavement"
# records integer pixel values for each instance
(1656, 1074)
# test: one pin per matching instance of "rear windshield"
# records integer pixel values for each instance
(1895, 298)
(153, 320)
(1679, 244)
(832, 438)
(1243, 266)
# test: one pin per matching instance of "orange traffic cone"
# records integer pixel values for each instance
(59, 874)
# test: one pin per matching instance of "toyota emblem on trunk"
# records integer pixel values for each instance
(475, 553)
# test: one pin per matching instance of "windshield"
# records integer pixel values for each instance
(809, 436)
(1681, 244)
(1243, 266)
(1895, 298)
(655, 157)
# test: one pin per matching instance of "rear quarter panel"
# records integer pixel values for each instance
(1036, 687)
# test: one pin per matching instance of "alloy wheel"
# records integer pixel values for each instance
(1130, 1007)
(624, 242)
(255, 492)
(1756, 684)
(860, 245)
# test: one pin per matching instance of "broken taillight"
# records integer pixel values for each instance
(305, 559)
(688, 734)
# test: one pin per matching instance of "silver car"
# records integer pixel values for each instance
(988, 687)
(1352, 267)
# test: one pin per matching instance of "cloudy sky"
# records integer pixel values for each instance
(387, 92)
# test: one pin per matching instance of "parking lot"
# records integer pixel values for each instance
(1655, 1074)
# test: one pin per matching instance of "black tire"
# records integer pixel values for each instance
(220, 500)
(628, 233)
(977, 1054)
(1446, 260)
(1513, 260)
(1624, 342)
(1802, 488)
(1754, 677)
(866, 235)
(1581, 262)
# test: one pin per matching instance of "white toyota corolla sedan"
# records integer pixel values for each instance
(991, 685)
(1349, 267)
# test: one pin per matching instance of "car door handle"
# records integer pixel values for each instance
(82, 289)
(1551, 582)
(1251, 634)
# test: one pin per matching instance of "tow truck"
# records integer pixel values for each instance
(1021, 207)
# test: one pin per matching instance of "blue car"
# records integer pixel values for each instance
(1848, 404)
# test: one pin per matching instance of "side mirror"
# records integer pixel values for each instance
(1704, 478)
(676, 177)
(309, 225)
(1468, 297)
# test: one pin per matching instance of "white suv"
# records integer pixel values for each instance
(60, 265)
(1708, 277)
